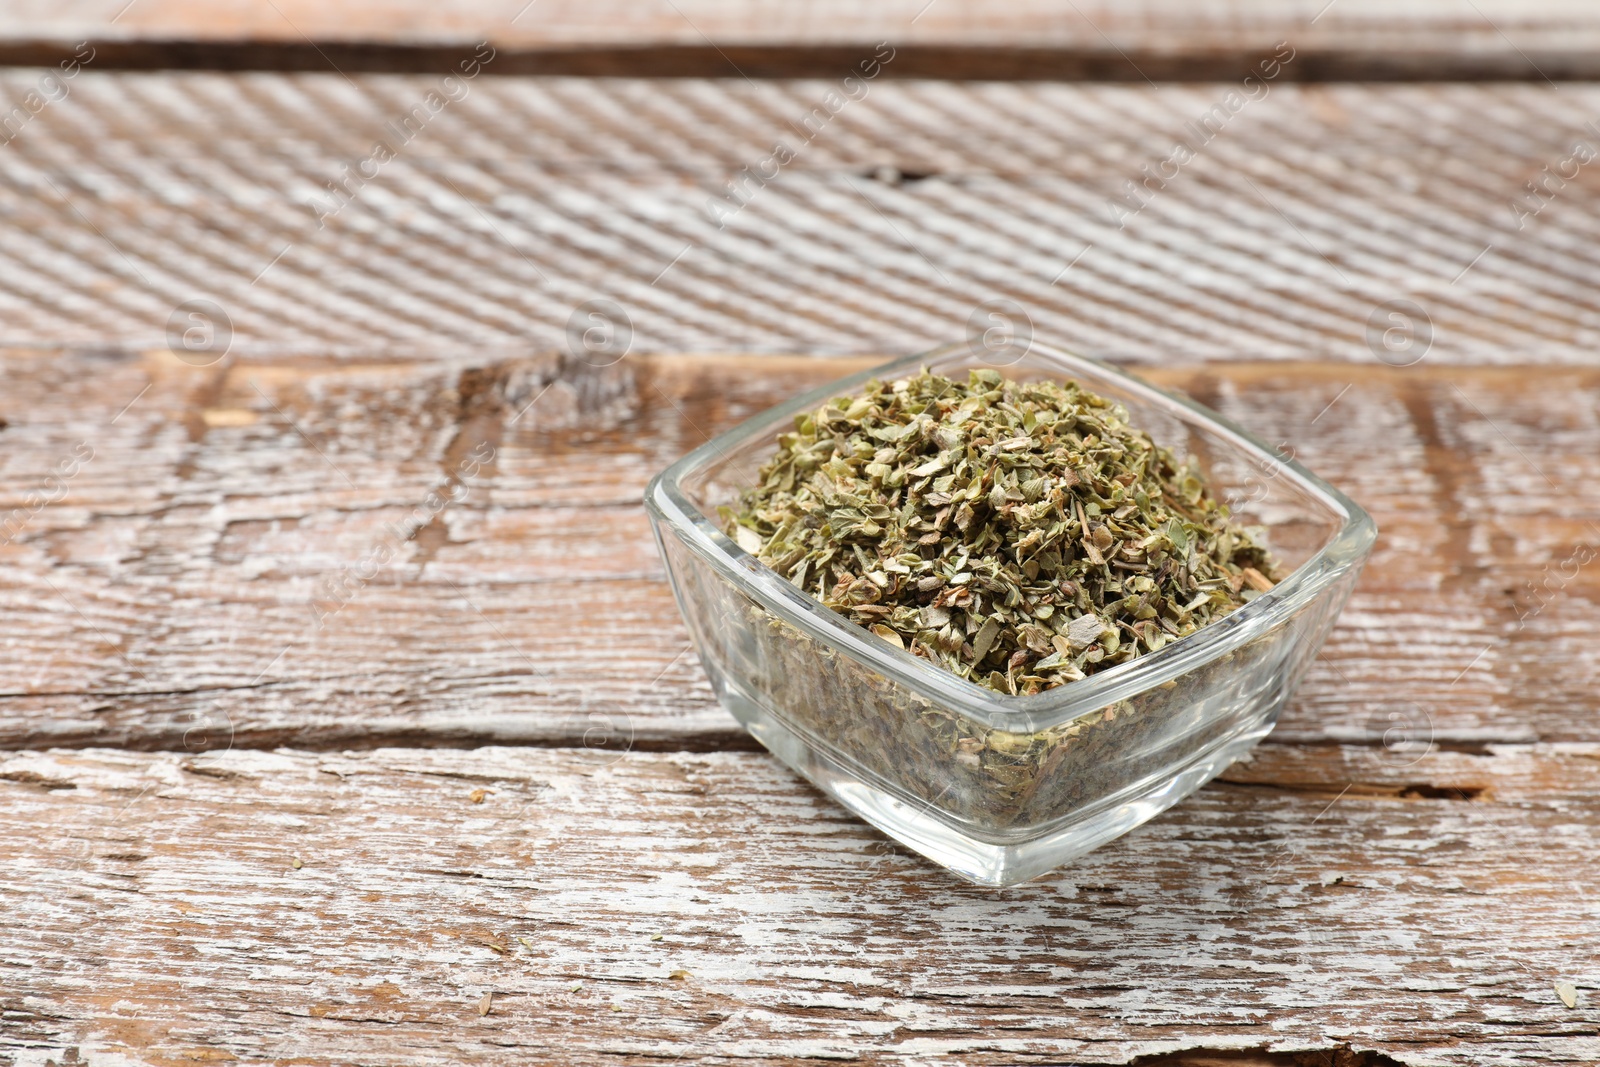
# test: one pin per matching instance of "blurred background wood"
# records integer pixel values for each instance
(1095, 39)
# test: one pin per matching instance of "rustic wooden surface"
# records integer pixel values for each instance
(530, 196)
(1336, 900)
(185, 577)
(707, 907)
(1194, 25)
(1100, 39)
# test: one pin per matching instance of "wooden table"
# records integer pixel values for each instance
(322, 749)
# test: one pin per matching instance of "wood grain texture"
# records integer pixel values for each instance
(1313, 900)
(216, 560)
(249, 556)
(1051, 38)
(887, 230)
(1170, 23)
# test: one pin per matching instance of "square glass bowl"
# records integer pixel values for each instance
(1000, 788)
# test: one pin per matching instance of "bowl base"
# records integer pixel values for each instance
(918, 826)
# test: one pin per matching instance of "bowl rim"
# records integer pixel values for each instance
(1346, 549)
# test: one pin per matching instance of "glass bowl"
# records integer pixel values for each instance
(999, 788)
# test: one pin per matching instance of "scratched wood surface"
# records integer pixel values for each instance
(187, 567)
(417, 906)
(250, 549)
(905, 211)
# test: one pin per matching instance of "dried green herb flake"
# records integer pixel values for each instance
(1019, 534)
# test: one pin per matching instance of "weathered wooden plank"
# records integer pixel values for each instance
(1166, 24)
(357, 907)
(890, 223)
(251, 547)
(952, 38)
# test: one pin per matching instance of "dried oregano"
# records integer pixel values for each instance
(1020, 534)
